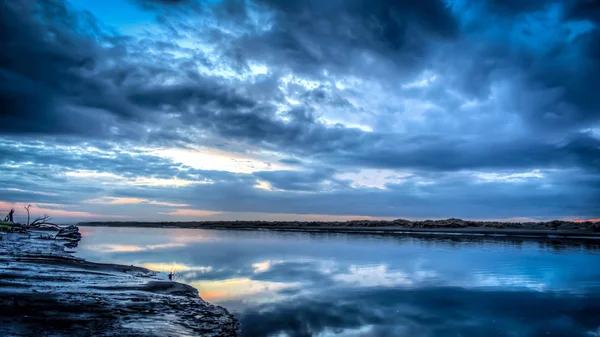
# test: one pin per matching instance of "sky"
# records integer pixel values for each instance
(300, 109)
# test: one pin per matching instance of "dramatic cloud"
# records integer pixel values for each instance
(434, 108)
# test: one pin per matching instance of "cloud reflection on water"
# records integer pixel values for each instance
(298, 284)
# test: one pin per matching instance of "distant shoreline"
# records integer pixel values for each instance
(549, 229)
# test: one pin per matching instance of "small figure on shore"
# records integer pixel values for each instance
(171, 276)
(10, 215)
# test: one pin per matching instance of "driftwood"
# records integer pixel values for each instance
(9, 216)
(70, 233)
(43, 223)
(27, 209)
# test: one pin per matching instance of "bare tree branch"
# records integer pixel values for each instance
(27, 208)
(43, 221)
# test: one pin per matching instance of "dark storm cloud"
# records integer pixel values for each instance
(48, 156)
(557, 72)
(40, 184)
(181, 96)
(580, 150)
(299, 180)
(528, 75)
(39, 171)
(572, 192)
(557, 92)
(168, 5)
(164, 2)
(511, 7)
(31, 169)
(57, 80)
(340, 36)
(380, 27)
(235, 192)
(587, 9)
(291, 161)
(549, 103)
(572, 8)
(36, 65)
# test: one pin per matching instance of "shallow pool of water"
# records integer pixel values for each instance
(323, 284)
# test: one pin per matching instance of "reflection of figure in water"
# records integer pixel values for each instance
(171, 276)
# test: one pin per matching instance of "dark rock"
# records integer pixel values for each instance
(81, 298)
(69, 232)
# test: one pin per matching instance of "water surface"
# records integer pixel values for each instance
(323, 284)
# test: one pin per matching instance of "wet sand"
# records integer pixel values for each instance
(45, 291)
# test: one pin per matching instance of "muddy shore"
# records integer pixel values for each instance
(549, 229)
(45, 291)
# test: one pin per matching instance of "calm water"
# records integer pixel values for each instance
(301, 284)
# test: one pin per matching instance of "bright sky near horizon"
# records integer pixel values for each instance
(300, 109)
